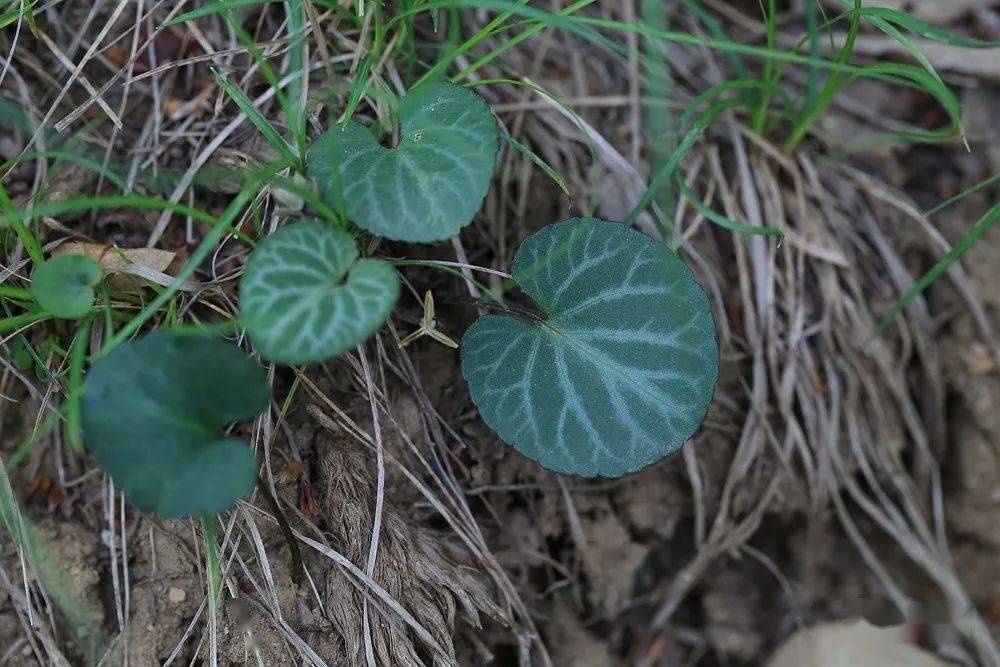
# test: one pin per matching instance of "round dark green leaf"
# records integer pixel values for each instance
(64, 285)
(305, 296)
(153, 412)
(429, 186)
(620, 369)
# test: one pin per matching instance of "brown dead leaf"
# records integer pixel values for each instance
(116, 262)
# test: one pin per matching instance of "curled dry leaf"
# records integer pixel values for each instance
(121, 266)
(853, 644)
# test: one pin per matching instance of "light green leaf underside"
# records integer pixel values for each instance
(623, 369)
(64, 285)
(305, 296)
(153, 411)
(430, 185)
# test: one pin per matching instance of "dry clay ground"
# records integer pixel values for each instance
(831, 480)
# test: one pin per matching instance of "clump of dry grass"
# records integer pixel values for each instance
(411, 566)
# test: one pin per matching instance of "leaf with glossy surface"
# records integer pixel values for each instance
(620, 370)
(64, 285)
(153, 412)
(429, 186)
(305, 296)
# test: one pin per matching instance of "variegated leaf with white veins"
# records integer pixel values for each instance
(619, 370)
(426, 188)
(305, 296)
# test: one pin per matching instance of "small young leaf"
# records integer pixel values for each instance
(153, 413)
(64, 285)
(305, 296)
(430, 185)
(620, 371)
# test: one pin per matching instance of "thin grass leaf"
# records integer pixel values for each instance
(15, 293)
(918, 78)
(572, 115)
(507, 44)
(65, 156)
(359, 87)
(965, 193)
(723, 221)
(924, 29)
(215, 8)
(74, 389)
(257, 118)
(952, 256)
(715, 91)
(586, 26)
(220, 227)
(666, 173)
(84, 204)
(831, 87)
(16, 322)
(77, 614)
(11, 17)
(537, 159)
(297, 57)
(714, 28)
(771, 23)
(658, 119)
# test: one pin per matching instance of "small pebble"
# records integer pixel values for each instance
(176, 595)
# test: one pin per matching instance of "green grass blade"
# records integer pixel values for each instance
(965, 193)
(923, 29)
(831, 87)
(666, 173)
(215, 8)
(201, 253)
(74, 389)
(77, 614)
(537, 159)
(723, 221)
(657, 116)
(359, 87)
(16, 293)
(16, 322)
(257, 118)
(84, 204)
(771, 22)
(297, 68)
(978, 229)
(715, 29)
(11, 17)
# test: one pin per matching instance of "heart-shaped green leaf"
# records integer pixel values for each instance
(621, 369)
(305, 296)
(153, 413)
(64, 285)
(430, 185)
